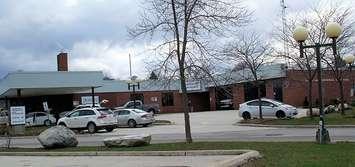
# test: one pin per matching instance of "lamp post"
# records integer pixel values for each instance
(300, 34)
(349, 59)
(134, 84)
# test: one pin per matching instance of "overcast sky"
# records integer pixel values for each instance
(93, 32)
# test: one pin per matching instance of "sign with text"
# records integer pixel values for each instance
(45, 106)
(17, 115)
(88, 99)
(193, 85)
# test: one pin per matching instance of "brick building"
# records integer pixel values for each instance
(64, 89)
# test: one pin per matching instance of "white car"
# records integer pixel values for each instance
(39, 118)
(63, 114)
(250, 109)
(134, 117)
(92, 119)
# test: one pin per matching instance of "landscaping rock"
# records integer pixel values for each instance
(58, 137)
(346, 106)
(128, 141)
(315, 112)
(330, 109)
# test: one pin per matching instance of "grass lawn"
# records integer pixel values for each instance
(330, 119)
(274, 153)
(29, 131)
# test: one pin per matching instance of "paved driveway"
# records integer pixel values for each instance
(201, 122)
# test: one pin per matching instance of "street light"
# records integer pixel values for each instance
(300, 34)
(349, 59)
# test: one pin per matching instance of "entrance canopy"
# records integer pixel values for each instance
(49, 83)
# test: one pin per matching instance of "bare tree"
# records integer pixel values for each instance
(251, 53)
(185, 29)
(315, 20)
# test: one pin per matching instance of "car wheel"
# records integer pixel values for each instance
(151, 111)
(91, 127)
(280, 114)
(109, 129)
(246, 115)
(47, 122)
(132, 123)
(62, 124)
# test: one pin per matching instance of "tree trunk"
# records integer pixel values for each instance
(341, 87)
(185, 105)
(310, 99)
(259, 97)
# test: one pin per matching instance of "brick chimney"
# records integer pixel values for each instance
(62, 61)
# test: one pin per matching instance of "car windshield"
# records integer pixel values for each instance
(138, 111)
(104, 111)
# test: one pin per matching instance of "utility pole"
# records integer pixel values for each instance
(283, 16)
(130, 66)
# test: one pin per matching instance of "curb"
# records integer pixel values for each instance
(242, 157)
(296, 126)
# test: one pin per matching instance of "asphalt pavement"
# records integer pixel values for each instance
(205, 126)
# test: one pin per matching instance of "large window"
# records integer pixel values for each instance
(167, 99)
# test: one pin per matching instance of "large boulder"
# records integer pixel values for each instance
(330, 109)
(315, 112)
(58, 137)
(346, 106)
(128, 141)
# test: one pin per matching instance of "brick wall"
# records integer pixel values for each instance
(296, 87)
(238, 95)
(212, 96)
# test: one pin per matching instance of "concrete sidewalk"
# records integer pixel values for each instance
(193, 158)
(111, 161)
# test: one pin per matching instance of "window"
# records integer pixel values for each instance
(167, 99)
(40, 114)
(74, 114)
(29, 115)
(265, 103)
(253, 103)
(86, 112)
(124, 112)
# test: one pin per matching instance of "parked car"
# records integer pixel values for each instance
(133, 117)
(151, 108)
(250, 109)
(226, 104)
(4, 119)
(39, 118)
(92, 119)
(63, 114)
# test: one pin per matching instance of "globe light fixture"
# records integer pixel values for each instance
(349, 59)
(300, 34)
(333, 30)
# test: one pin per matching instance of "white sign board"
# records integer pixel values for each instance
(193, 85)
(88, 99)
(17, 115)
(45, 106)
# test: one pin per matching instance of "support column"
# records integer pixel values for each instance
(19, 102)
(93, 96)
(6, 103)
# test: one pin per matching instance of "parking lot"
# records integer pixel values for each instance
(201, 122)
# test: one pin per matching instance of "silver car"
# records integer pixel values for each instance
(39, 118)
(133, 117)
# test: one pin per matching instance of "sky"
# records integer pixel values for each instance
(94, 33)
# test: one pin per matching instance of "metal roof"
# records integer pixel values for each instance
(145, 85)
(53, 82)
(69, 82)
